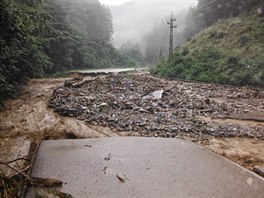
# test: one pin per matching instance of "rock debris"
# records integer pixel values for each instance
(158, 107)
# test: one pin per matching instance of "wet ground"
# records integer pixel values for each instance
(161, 108)
(106, 70)
(141, 167)
(29, 115)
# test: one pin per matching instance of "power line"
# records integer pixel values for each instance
(172, 26)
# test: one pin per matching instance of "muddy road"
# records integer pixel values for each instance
(29, 116)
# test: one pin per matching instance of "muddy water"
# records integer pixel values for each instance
(29, 116)
(246, 152)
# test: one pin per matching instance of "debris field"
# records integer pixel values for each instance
(158, 107)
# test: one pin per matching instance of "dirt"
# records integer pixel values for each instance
(29, 116)
(246, 152)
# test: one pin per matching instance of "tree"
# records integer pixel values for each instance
(39, 38)
(21, 46)
(63, 47)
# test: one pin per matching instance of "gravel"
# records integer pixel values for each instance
(158, 107)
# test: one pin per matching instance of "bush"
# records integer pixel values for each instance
(232, 59)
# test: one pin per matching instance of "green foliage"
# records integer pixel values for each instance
(217, 35)
(228, 52)
(93, 24)
(38, 38)
(244, 40)
(98, 56)
(21, 47)
(63, 46)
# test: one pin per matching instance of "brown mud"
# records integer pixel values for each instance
(29, 116)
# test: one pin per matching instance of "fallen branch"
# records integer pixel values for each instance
(41, 182)
(38, 182)
(9, 162)
(17, 171)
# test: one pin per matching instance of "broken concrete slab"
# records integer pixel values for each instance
(156, 95)
(12, 149)
(259, 170)
(142, 167)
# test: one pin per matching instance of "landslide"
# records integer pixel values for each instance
(225, 119)
(29, 116)
(160, 107)
(230, 52)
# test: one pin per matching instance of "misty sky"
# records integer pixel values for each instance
(133, 18)
(119, 2)
(113, 2)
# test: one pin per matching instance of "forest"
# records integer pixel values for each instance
(189, 20)
(39, 38)
(42, 37)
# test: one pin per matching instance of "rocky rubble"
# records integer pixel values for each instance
(158, 107)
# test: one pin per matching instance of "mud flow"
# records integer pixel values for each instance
(225, 119)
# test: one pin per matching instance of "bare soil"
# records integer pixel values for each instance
(29, 116)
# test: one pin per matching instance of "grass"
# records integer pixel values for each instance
(231, 52)
(10, 188)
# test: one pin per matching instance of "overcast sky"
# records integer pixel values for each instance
(113, 2)
(118, 2)
(132, 21)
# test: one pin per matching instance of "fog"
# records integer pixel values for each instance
(133, 19)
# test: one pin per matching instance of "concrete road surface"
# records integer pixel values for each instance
(143, 168)
(118, 70)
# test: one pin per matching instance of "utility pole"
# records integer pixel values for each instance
(235, 9)
(172, 26)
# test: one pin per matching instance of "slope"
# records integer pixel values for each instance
(231, 51)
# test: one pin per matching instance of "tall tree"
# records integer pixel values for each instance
(63, 47)
(21, 45)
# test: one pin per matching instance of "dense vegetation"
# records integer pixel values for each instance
(39, 38)
(190, 22)
(210, 11)
(230, 51)
(93, 24)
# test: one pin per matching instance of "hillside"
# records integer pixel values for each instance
(231, 51)
(39, 38)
